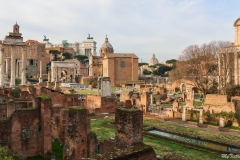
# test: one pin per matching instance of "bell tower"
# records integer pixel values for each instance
(16, 28)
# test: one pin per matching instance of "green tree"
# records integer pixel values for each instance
(146, 72)
(67, 55)
(171, 61)
(143, 63)
(55, 53)
(4, 154)
(81, 58)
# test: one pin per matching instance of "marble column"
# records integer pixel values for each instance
(221, 122)
(151, 98)
(40, 76)
(7, 66)
(1, 68)
(52, 72)
(13, 60)
(219, 70)
(236, 68)
(184, 114)
(23, 81)
(49, 75)
(200, 116)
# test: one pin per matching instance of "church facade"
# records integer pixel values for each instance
(120, 67)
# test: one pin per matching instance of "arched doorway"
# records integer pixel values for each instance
(64, 76)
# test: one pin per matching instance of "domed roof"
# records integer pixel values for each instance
(153, 60)
(106, 44)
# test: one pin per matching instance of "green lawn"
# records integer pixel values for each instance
(161, 147)
(86, 92)
(203, 133)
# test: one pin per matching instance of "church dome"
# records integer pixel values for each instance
(106, 48)
(153, 60)
(106, 44)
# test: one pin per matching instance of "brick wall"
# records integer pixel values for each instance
(98, 104)
(106, 146)
(129, 124)
(76, 135)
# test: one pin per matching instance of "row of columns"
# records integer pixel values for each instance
(13, 68)
(224, 64)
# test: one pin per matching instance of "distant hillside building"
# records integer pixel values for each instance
(153, 60)
(85, 48)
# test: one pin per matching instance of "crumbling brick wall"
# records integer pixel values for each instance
(98, 104)
(217, 103)
(76, 135)
(129, 124)
(106, 146)
(5, 131)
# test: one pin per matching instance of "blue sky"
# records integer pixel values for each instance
(143, 27)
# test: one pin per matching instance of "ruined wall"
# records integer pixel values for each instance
(3, 110)
(76, 135)
(106, 146)
(46, 127)
(135, 152)
(129, 124)
(125, 95)
(25, 137)
(98, 104)
(217, 103)
(91, 143)
(5, 131)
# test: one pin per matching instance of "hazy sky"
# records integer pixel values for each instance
(164, 27)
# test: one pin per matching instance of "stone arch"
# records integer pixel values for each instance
(184, 87)
(64, 76)
(195, 89)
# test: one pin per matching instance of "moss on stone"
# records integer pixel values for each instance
(78, 107)
(4, 119)
(45, 97)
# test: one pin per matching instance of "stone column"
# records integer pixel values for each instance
(236, 68)
(151, 99)
(184, 114)
(7, 66)
(52, 72)
(221, 122)
(49, 75)
(200, 116)
(12, 81)
(40, 76)
(224, 70)
(219, 70)
(23, 81)
(1, 67)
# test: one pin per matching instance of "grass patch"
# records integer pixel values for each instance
(102, 130)
(45, 97)
(233, 127)
(78, 107)
(161, 147)
(57, 149)
(195, 132)
(86, 92)
(198, 103)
